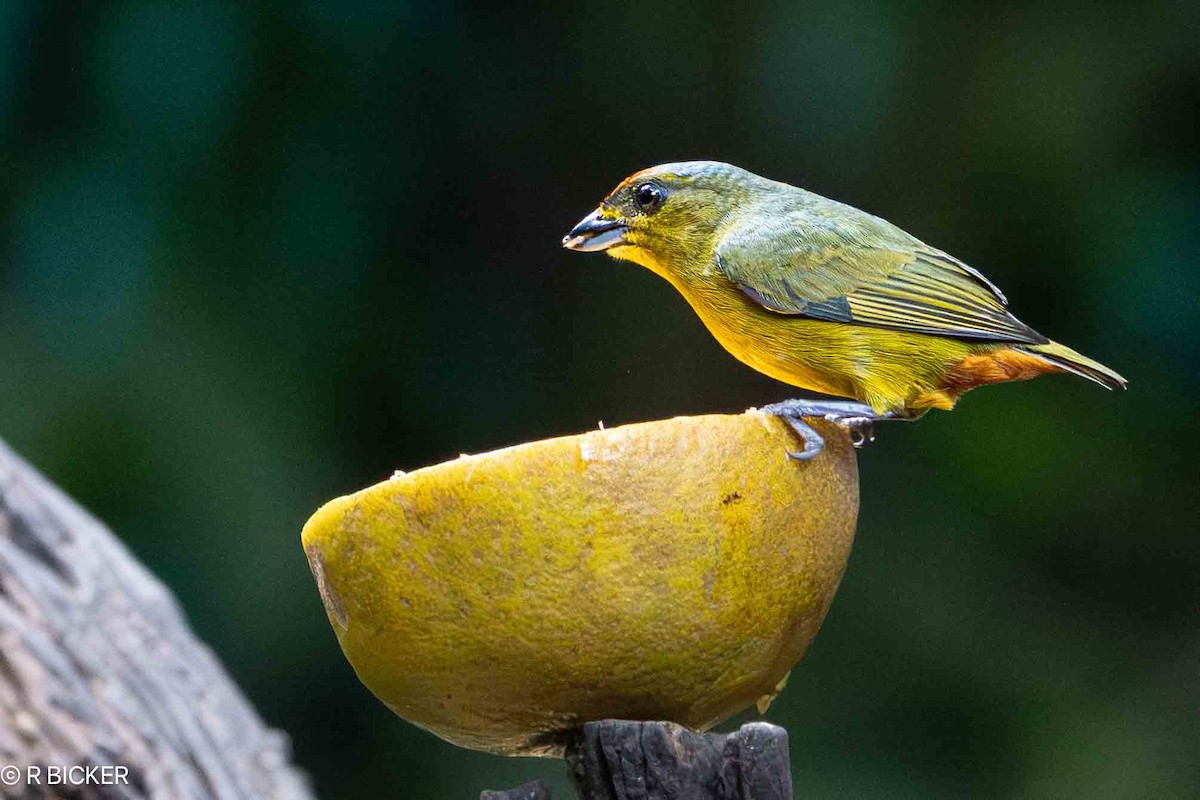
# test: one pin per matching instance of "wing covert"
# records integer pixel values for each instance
(867, 272)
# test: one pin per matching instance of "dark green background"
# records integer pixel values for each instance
(256, 257)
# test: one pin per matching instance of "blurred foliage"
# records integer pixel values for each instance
(252, 257)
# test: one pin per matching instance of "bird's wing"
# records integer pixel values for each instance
(865, 271)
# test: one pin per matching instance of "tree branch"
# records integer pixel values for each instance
(99, 667)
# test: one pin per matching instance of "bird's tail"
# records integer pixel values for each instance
(1067, 359)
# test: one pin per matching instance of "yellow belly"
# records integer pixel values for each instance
(889, 370)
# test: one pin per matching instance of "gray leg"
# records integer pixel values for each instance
(814, 442)
(856, 417)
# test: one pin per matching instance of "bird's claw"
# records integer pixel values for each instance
(814, 442)
(807, 454)
(861, 430)
(856, 418)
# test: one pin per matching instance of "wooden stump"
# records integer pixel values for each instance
(622, 760)
(99, 668)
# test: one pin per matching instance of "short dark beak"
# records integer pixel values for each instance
(594, 232)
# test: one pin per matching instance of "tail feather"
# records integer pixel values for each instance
(1065, 358)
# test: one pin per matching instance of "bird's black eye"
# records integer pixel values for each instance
(648, 197)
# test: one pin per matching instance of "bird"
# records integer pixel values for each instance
(823, 296)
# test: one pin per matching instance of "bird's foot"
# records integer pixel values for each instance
(857, 418)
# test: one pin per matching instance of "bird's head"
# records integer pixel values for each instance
(667, 216)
